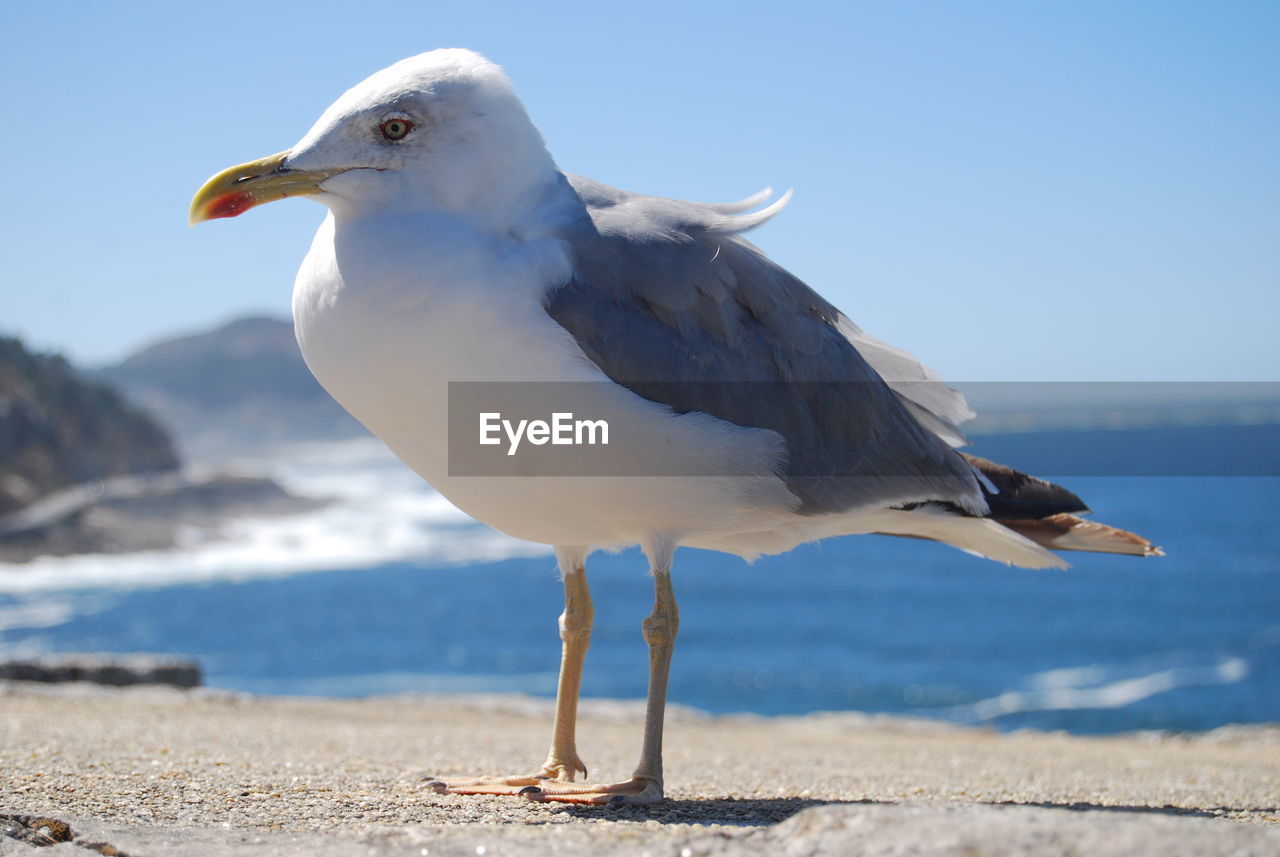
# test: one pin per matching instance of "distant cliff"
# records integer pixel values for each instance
(242, 385)
(59, 428)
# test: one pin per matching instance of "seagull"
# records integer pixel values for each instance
(460, 275)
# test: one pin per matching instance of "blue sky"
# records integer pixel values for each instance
(1012, 191)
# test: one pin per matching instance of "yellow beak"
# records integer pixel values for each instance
(237, 189)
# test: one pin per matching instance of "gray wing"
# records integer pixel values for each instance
(669, 302)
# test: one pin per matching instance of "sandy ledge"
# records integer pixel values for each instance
(149, 772)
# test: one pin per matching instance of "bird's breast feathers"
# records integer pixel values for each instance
(387, 345)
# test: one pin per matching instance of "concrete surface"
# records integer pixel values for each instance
(148, 772)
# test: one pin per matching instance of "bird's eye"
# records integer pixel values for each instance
(395, 129)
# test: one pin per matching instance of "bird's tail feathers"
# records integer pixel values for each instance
(1026, 518)
(979, 536)
(1070, 533)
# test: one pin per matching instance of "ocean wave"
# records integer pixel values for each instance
(403, 683)
(1099, 687)
(45, 613)
(380, 512)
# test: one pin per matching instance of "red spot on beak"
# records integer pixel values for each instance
(230, 205)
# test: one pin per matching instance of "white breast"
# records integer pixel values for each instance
(463, 306)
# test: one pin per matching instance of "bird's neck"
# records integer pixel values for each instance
(522, 205)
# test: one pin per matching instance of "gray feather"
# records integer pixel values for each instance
(938, 407)
(669, 302)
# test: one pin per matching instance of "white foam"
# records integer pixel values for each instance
(397, 683)
(1099, 687)
(381, 512)
(1068, 677)
(36, 614)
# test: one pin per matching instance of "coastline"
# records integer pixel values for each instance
(141, 513)
(157, 771)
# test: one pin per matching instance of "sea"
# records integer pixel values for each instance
(389, 590)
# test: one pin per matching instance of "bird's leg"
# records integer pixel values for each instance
(660, 633)
(645, 785)
(554, 782)
(575, 634)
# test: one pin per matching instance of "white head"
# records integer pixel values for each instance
(439, 131)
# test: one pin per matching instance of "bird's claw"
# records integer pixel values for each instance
(539, 788)
(563, 769)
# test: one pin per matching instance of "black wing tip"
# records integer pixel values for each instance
(1021, 496)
